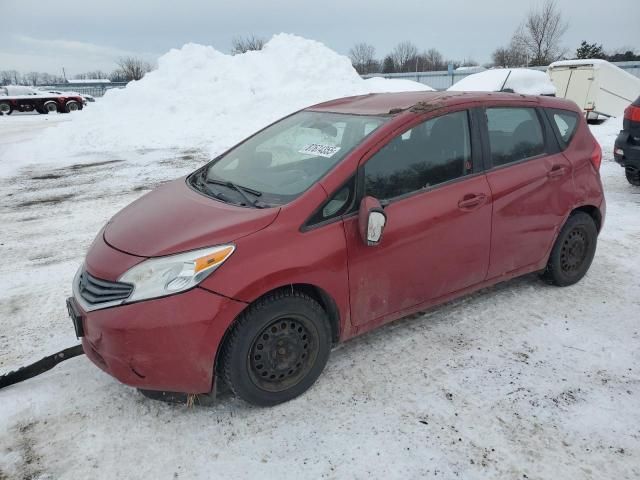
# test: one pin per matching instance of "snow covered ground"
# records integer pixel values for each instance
(520, 381)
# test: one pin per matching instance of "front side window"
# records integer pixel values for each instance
(431, 153)
(514, 134)
(285, 159)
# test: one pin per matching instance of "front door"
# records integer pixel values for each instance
(438, 209)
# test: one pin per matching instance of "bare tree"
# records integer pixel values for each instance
(511, 56)
(363, 58)
(246, 44)
(133, 68)
(32, 78)
(540, 34)
(94, 75)
(404, 57)
(433, 60)
(9, 77)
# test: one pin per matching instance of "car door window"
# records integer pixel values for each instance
(566, 123)
(514, 134)
(431, 153)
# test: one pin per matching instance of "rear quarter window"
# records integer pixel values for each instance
(565, 123)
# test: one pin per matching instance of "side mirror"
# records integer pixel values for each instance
(371, 221)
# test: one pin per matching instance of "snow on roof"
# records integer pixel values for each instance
(90, 80)
(520, 80)
(478, 68)
(571, 63)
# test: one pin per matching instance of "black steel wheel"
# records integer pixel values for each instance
(277, 348)
(573, 252)
(283, 353)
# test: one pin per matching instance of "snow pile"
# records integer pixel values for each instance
(200, 98)
(520, 80)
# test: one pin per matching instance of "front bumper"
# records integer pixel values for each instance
(167, 344)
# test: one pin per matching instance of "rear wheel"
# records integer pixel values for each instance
(5, 108)
(573, 251)
(633, 176)
(277, 348)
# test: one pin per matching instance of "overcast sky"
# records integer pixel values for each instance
(85, 35)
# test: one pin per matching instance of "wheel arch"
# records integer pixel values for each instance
(591, 210)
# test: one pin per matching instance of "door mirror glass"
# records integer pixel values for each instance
(372, 220)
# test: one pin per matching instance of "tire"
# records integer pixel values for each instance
(573, 251)
(5, 108)
(277, 348)
(633, 176)
(72, 106)
(50, 107)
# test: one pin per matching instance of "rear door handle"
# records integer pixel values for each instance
(472, 200)
(557, 171)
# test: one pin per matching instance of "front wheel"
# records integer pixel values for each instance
(277, 348)
(573, 251)
(72, 106)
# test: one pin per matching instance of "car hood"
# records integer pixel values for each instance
(174, 218)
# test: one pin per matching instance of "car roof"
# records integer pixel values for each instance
(393, 103)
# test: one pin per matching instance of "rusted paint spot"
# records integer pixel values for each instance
(426, 107)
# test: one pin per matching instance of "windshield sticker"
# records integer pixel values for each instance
(319, 150)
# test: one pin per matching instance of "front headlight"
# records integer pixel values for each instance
(162, 276)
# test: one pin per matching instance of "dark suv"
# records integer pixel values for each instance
(627, 148)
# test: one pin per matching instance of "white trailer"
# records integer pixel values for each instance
(596, 86)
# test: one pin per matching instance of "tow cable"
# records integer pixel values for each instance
(43, 365)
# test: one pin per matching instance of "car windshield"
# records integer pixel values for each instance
(285, 159)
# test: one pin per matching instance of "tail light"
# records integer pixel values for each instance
(632, 112)
(596, 156)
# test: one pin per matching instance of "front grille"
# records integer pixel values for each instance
(93, 290)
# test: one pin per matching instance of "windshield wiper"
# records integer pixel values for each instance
(241, 190)
(202, 181)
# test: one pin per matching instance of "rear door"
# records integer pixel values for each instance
(438, 207)
(531, 184)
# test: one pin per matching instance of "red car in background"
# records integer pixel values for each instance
(26, 99)
(331, 222)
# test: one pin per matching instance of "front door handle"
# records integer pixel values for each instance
(557, 171)
(472, 200)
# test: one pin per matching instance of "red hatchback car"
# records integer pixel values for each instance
(331, 222)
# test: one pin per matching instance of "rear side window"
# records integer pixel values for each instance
(514, 134)
(566, 123)
(431, 153)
